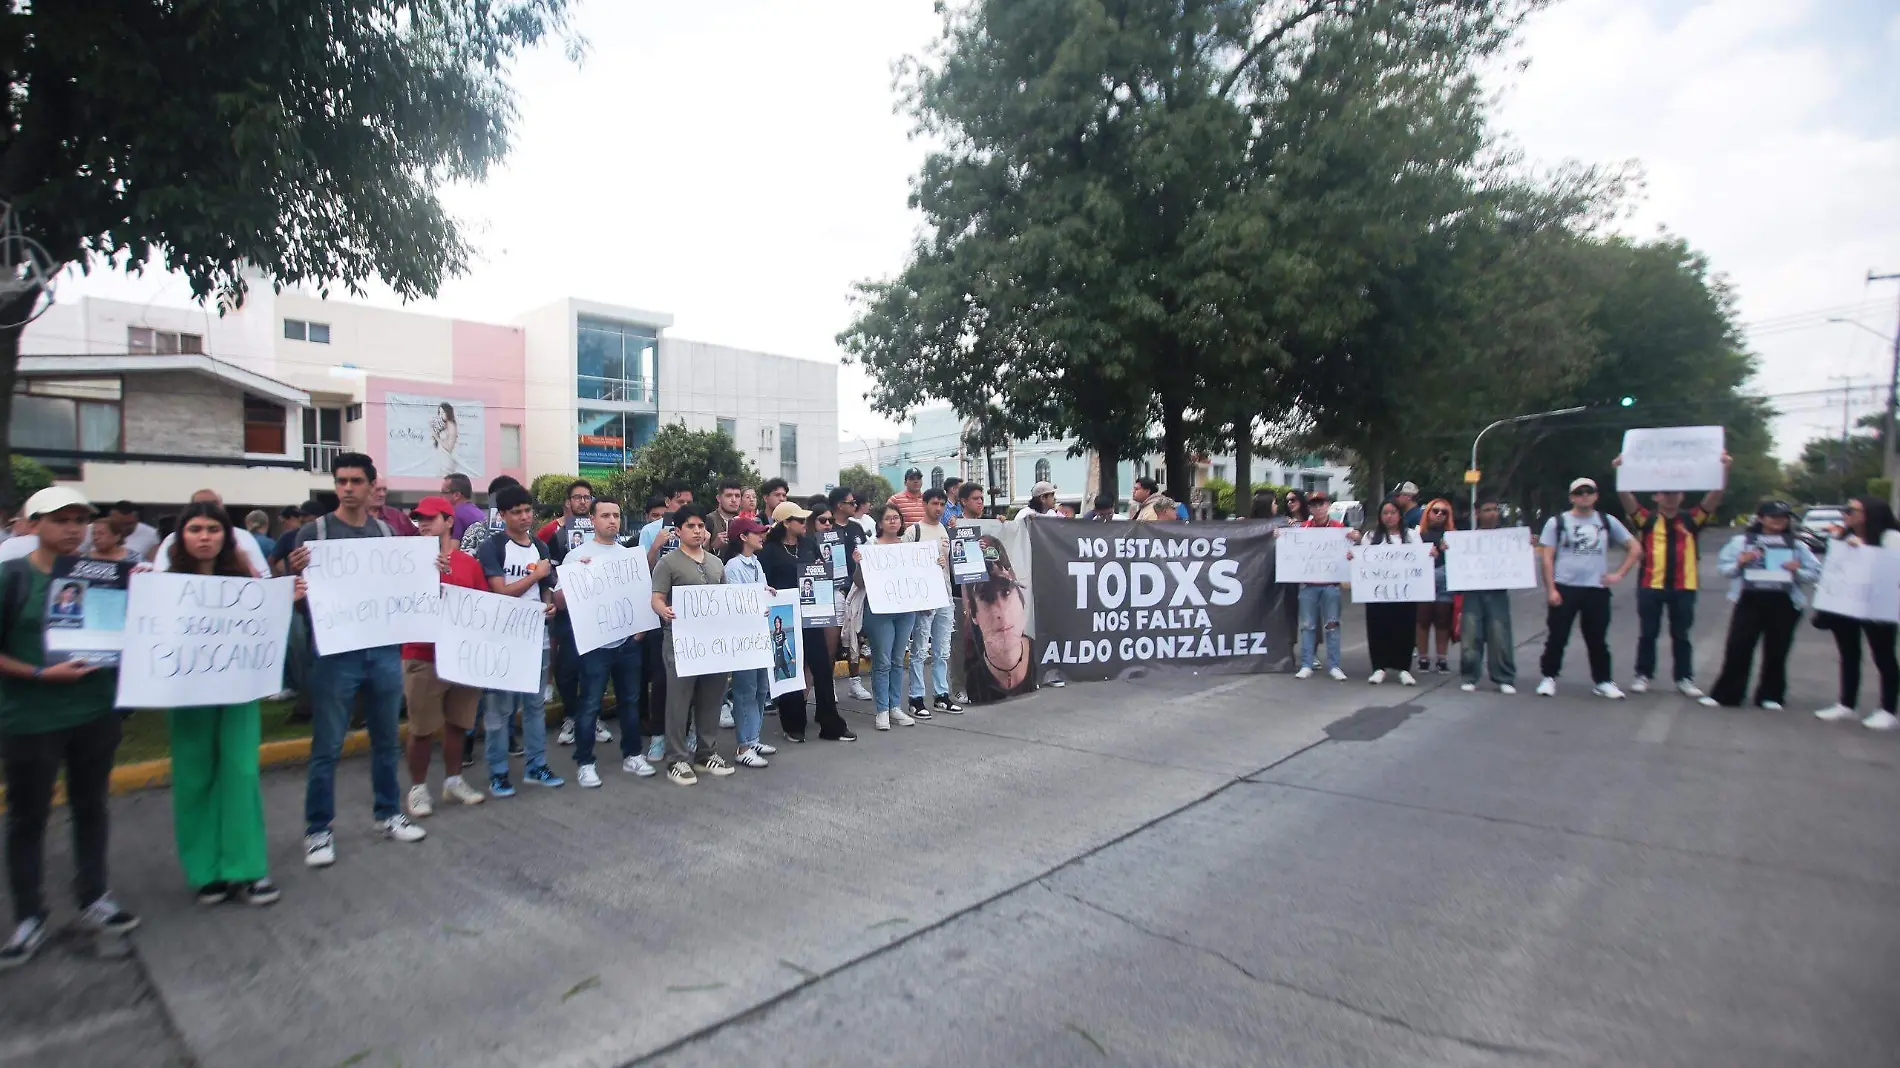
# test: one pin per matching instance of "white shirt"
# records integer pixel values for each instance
(253, 554)
(142, 540)
(16, 547)
(864, 523)
(516, 560)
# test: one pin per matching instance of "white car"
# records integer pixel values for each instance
(1347, 512)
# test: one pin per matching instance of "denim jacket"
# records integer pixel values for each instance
(1730, 565)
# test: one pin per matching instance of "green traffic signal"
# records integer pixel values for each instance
(1629, 402)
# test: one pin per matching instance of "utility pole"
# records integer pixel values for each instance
(1842, 465)
(1888, 466)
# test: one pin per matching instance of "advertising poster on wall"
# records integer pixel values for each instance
(428, 437)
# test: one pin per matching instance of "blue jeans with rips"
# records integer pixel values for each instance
(1319, 612)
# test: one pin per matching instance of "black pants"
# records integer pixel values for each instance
(32, 763)
(1768, 617)
(791, 706)
(1880, 642)
(1389, 631)
(1592, 603)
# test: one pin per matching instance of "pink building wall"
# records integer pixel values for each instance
(489, 365)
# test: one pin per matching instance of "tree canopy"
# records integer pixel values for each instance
(699, 458)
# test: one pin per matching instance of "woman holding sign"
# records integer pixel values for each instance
(1437, 612)
(1389, 625)
(1869, 522)
(788, 552)
(217, 805)
(889, 634)
(1766, 566)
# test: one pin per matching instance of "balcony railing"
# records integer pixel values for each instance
(321, 457)
(624, 390)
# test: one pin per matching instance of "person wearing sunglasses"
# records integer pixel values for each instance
(1436, 613)
(1575, 548)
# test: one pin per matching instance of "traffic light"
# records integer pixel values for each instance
(1629, 402)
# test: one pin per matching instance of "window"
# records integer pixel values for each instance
(510, 445)
(298, 330)
(1042, 471)
(730, 428)
(615, 362)
(1322, 483)
(606, 441)
(322, 437)
(1220, 472)
(999, 478)
(79, 414)
(263, 425)
(144, 341)
(936, 477)
(788, 452)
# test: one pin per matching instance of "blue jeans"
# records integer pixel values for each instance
(623, 666)
(932, 632)
(498, 708)
(335, 682)
(1487, 637)
(890, 637)
(1319, 611)
(750, 689)
(1650, 605)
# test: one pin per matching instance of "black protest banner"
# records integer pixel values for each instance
(1120, 600)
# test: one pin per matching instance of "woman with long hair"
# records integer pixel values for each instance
(889, 633)
(217, 805)
(1389, 625)
(1264, 505)
(998, 610)
(1436, 613)
(1295, 512)
(1869, 522)
(789, 548)
(1765, 565)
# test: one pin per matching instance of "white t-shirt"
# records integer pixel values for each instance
(516, 560)
(929, 532)
(253, 553)
(16, 547)
(588, 550)
(142, 540)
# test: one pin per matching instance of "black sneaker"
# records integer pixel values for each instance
(841, 736)
(468, 755)
(944, 704)
(919, 709)
(1444, 668)
(214, 894)
(796, 739)
(516, 749)
(1424, 664)
(104, 916)
(259, 892)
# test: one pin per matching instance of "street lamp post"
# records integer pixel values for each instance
(1890, 459)
(1471, 475)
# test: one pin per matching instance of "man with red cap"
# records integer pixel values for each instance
(437, 707)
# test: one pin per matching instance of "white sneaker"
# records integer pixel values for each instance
(397, 828)
(1688, 688)
(858, 692)
(1639, 684)
(566, 736)
(883, 720)
(1303, 673)
(764, 750)
(601, 734)
(420, 807)
(1507, 689)
(1882, 720)
(725, 717)
(1708, 702)
(1376, 677)
(456, 790)
(749, 757)
(1406, 679)
(319, 850)
(1337, 675)
(1835, 713)
(588, 777)
(1547, 688)
(1771, 706)
(902, 718)
(638, 764)
(1468, 687)
(1609, 690)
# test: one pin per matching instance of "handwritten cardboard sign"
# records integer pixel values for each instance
(720, 628)
(1860, 582)
(1500, 559)
(1671, 458)
(905, 577)
(609, 597)
(365, 593)
(1392, 572)
(194, 640)
(489, 640)
(1311, 554)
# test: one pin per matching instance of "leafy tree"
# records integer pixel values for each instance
(29, 476)
(1831, 470)
(304, 138)
(872, 488)
(550, 491)
(700, 458)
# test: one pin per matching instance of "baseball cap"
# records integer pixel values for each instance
(742, 526)
(1406, 489)
(53, 498)
(1584, 483)
(1041, 488)
(432, 506)
(788, 510)
(912, 473)
(1771, 508)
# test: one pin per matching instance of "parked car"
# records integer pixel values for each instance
(1347, 512)
(1816, 523)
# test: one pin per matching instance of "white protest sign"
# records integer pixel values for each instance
(1311, 554)
(489, 640)
(1392, 572)
(609, 597)
(195, 640)
(905, 577)
(720, 628)
(1860, 582)
(371, 592)
(788, 644)
(1500, 559)
(1671, 458)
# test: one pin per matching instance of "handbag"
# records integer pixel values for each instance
(1824, 620)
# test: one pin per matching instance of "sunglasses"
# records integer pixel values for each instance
(1440, 511)
(1584, 492)
(823, 520)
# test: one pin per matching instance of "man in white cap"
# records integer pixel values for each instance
(1042, 502)
(1575, 548)
(1407, 497)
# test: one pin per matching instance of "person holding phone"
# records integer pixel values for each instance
(1766, 566)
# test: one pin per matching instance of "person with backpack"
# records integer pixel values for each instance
(338, 678)
(1766, 566)
(52, 715)
(1575, 549)
(1868, 522)
(517, 565)
(930, 634)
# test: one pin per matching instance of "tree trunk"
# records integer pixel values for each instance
(1108, 458)
(1243, 465)
(1174, 449)
(10, 312)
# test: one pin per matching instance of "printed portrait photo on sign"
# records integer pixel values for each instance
(998, 659)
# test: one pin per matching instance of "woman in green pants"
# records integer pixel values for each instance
(217, 805)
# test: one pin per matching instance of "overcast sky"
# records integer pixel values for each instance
(740, 165)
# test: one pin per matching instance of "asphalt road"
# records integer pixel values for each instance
(1215, 871)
